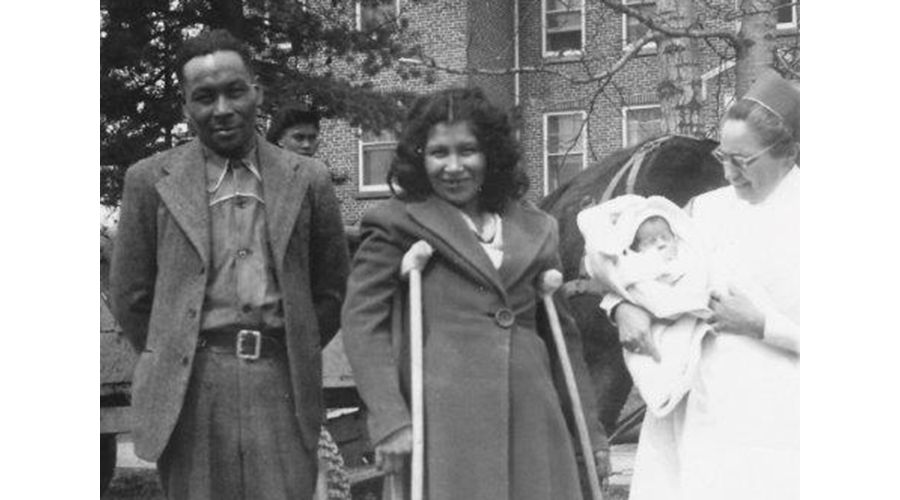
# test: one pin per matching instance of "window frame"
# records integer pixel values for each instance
(371, 190)
(545, 140)
(793, 25)
(358, 5)
(650, 48)
(635, 107)
(544, 33)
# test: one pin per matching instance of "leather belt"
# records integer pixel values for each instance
(245, 343)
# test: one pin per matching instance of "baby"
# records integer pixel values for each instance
(645, 251)
(654, 234)
(655, 256)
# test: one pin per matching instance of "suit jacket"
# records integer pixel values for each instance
(160, 266)
(472, 311)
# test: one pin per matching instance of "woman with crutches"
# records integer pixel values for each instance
(497, 419)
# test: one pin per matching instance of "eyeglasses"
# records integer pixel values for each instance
(741, 162)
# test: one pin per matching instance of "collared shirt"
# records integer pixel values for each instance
(242, 289)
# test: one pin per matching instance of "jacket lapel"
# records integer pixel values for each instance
(453, 239)
(184, 193)
(525, 235)
(284, 188)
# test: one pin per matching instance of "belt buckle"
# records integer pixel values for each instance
(249, 343)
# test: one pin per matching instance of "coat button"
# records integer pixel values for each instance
(504, 317)
(185, 360)
(192, 313)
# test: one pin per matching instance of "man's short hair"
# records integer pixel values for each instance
(208, 42)
(289, 116)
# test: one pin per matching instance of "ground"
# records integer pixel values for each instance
(142, 484)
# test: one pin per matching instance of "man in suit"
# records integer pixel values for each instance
(228, 275)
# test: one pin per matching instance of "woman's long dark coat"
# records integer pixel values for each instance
(495, 402)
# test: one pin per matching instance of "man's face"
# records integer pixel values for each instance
(220, 100)
(302, 138)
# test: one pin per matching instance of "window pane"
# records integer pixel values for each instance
(634, 29)
(642, 124)
(564, 22)
(563, 132)
(561, 42)
(786, 13)
(561, 170)
(553, 5)
(376, 163)
(563, 25)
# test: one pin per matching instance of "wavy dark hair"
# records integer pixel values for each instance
(291, 115)
(504, 180)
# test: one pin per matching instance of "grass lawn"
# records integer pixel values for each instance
(142, 484)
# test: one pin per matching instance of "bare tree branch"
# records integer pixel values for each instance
(693, 31)
(632, 51)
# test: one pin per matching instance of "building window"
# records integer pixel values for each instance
(632, 29)
(563, 27)
(372, 14)
(375, 154)
(565, 143)
(786, 14)
(640, 123)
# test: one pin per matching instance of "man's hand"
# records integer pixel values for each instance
(392, 450)
(735, 313)
(634, 330)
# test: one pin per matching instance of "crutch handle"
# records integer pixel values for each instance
(415, 258)
(549, 282)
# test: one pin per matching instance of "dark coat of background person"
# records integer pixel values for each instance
(164, 231)
(677, 168)
(468, 386)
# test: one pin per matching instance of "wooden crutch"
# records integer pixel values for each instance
(550, 281)
(411, 267)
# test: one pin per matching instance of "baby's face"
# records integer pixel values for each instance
(655, 234)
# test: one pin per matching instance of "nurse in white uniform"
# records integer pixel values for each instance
(736, 434)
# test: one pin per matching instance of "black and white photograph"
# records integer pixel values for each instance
(454, 250)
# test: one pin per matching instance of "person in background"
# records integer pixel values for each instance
(228, 274)
(736, 435)
(296, 128)
(496, 409)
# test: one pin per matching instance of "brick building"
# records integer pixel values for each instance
(564, 40)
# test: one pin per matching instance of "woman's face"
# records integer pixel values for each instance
(762, 175)
(455, 164)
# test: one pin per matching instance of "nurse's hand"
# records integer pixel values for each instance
(392, 451)
(634, 330)
(735, 313)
